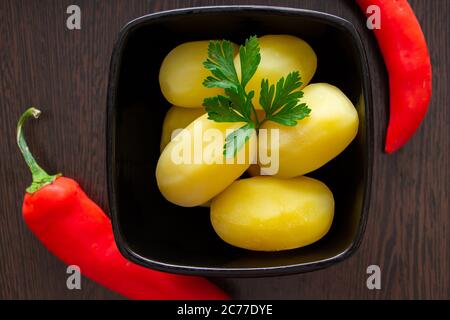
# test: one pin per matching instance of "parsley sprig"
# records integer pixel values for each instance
(280, 102)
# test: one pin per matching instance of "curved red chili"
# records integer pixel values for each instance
(78, 232)
(405, 53)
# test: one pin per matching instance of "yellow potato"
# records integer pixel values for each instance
(315, 140)
(182, 73)
(188, 176)
(178, 118)
(280, 55)
(271, 214)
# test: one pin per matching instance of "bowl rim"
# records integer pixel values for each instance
(114, 69)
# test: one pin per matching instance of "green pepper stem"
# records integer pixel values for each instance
(40, 176)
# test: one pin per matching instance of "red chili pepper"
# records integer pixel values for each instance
(405, 53)
(78, 232)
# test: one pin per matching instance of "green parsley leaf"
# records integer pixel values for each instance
(290, 114)
(237, 139)
(250, 58)
(221, 64)
(241, 101)
(219, 109)
(280, 103)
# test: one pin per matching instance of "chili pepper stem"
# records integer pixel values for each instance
(40, 176)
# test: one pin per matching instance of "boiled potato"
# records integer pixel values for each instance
(178, 118)
(182, 73)
(271, 214)
(280, 55)
(315, 140)
(188, 176)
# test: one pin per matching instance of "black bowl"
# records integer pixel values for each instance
(157, 234)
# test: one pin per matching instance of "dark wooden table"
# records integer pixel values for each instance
(65, 72)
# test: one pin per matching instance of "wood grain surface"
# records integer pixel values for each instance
(65, 73)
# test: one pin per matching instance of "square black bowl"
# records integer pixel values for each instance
(157, 234)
